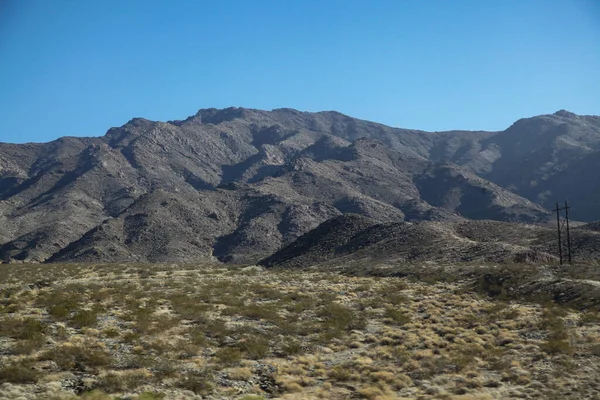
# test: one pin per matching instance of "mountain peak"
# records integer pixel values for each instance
(216, 116)
(565, 114)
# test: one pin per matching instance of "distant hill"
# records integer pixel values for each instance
(351, 238)
(238, 184)
(592, 226)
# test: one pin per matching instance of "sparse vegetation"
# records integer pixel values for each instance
(278, 334)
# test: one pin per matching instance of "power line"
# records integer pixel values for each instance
(559, 228)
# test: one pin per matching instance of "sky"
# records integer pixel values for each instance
(77, 68)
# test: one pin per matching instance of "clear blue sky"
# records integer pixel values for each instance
(79, 67)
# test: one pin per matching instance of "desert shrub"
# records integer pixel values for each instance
(84, 318)
(28, 346)
(60, 305)
(159, 347)
(18, 372)
(132, 337)
(396, 298)
(498, 281)
(289, 328)
(113, 383)
(225, 292)
(228, 356)
(431, 366)
(254, 347)
(253, 311)
(297, 304)
(400, 355)
(464, 355)
(21, 328)
(142, 318)
(338, 319)
(556, 346)
(340, 373)
(589, 317)
(199, 382)
(112, 332)
(557, 341)
(135, 361)
(260, 312)
(188, 307)
(240, 374)
(498, 362)
(69, 357)
(99, 294)
(264, 292)
(145, 273)
(10, 301)
(495, 310)
(397, 317)
(197, 336)
(164, 323)
(436, 276)
(163, 368)
(215, 329)
(291, 347)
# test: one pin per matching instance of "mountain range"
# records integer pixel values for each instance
(237, 185)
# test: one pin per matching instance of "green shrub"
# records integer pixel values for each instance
(69, 357)
(113, 383)
(59, 305)
(112, 332)
(397, 317)
(338, 318)
(84, 318)
(197, 336)
(21, 328)
(18, 373)
(297, 304)
(28, 346)
(558, 334)
(291, 347)
(340, 373)
(556, 346)
(188, 307)
(163, 368)
(199, 382)
(228, 356)
(255, 347)
(215, 329)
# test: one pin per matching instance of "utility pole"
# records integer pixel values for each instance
(559, 229)
(568, 231)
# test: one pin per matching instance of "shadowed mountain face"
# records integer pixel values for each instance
(238, 184)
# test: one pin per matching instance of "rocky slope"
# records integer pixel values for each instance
(238, 184)
(349, 239)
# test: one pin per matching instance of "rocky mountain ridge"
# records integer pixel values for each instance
(238, 184)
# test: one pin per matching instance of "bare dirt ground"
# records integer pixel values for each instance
(215, 332)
